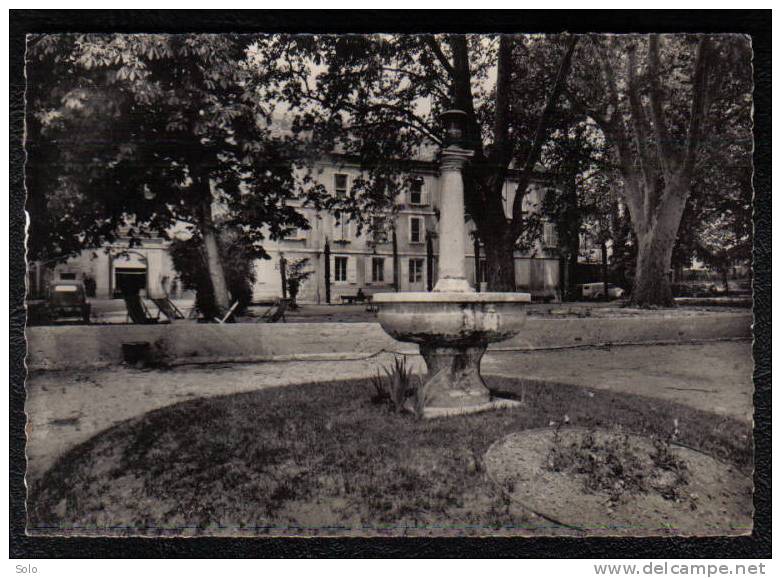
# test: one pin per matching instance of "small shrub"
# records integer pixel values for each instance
(296, 273)
(673, 473)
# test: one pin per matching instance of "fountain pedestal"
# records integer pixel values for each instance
(453, 325)
(454, 375)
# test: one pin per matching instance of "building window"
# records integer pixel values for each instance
(417, 194)
(416, 270)
(340, 269)
(340, 184)
(378, 270)
(379, 230)
(341, 229)
(483, 271)
(415, 229)
(549, 236)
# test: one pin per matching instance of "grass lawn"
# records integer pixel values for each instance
(322, 459)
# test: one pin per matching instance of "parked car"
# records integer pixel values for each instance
(597, 291)
(67, 299)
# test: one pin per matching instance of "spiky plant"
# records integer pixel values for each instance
(396, 386)
(380, 391)
(399, 382)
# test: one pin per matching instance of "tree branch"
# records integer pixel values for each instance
(413, 121)
(597, 116)
(416, 76)
(502, 149)
(666, 153)
(462, 89)
(617, 130)
(432, 43)
(610, 79)
(639, 123)
(699, 96)
(639, 120)
(539, 134)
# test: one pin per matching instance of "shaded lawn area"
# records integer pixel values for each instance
(322, 459)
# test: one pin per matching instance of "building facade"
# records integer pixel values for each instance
(142, 264)
(359, 260)
(365, 260)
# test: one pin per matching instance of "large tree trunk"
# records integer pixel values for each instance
(213, 259)
(652, 285)
(654, 254)
(500, 262)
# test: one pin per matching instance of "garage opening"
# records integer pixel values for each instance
(130, 281)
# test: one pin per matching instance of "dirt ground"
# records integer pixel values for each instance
(65, 408)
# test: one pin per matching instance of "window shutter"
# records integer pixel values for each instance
(368, 268)
(423, 193)
(388, 273)
(333, 268)
(351, 270)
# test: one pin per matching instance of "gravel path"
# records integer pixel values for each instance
(66, 408)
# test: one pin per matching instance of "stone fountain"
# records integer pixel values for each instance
(453, 325)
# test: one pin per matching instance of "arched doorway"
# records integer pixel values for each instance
(129, 273)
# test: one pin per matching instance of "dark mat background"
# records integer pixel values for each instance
(756, 23)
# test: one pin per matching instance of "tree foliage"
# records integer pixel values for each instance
(580, 200)
(147, 132)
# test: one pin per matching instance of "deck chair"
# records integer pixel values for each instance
(228, 314)
(136, 309)
(168, 308)
(275, 312)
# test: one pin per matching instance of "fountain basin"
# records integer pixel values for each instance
(453, 330)
(450, 317)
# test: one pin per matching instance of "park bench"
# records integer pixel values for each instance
(352, 299)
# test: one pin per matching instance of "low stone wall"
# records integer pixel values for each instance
(543, 333)
(77, 346)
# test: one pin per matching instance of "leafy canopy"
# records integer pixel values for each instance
(128, 124)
